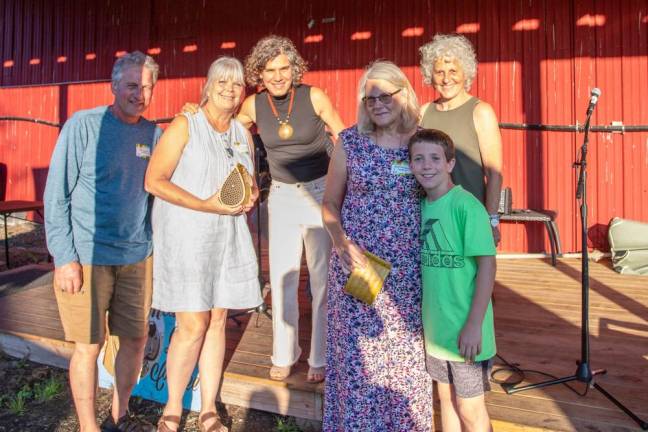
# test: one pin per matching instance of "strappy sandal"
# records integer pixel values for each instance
(216, 427)
(312, 371)
(279, 373)
(126, 423)
(162, 423)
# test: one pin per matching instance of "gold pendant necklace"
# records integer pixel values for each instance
(285, 129)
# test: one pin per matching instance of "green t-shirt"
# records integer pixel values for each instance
(455, 230)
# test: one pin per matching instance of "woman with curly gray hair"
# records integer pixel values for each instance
(292, 118)
(449, 64)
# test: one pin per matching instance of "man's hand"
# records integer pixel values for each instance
(69, 277)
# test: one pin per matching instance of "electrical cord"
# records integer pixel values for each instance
(521, 375)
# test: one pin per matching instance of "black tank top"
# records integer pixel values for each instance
(302, 157)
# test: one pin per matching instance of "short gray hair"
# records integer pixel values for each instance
(453, 46)
(223, 68)
(135, 58)
(388, 71)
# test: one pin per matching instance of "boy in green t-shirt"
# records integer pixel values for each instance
(458, 272)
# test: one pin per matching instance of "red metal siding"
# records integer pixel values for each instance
(539, 60)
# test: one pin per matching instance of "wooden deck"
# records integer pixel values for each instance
(537, 314)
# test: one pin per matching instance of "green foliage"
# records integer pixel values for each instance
(17, 404)
(286, 425)
(48, 389)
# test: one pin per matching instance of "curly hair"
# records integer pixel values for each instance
(453, 46)
(388, 71)
(267, 49)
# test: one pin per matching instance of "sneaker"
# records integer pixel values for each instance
(127, 423)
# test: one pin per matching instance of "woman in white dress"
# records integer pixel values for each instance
(204, 258)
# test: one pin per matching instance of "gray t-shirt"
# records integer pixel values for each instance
(96, 208)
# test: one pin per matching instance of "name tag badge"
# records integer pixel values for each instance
(400, 168)
(142, 151)
(241, 147)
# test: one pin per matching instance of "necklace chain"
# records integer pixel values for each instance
(226, 137)
(290, 107)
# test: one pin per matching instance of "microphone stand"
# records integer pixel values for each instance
(262, 308)
(584, 372)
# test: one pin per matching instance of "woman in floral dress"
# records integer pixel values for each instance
(375, 375)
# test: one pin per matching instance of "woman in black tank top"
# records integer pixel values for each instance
(291, 118)
(449, 64)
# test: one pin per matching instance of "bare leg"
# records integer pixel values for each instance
(473, 414)
(83, 382)
(128, 364)
(184, 350)
(450, 421)
(210, 363)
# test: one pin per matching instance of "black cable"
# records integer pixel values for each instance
(521, 375)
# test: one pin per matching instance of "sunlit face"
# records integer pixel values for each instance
(133, 93)
(382, 114)
(448, 78)
(226, 94)
(277, 75)
(429, 165)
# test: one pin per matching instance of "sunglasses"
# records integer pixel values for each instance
(385, 98)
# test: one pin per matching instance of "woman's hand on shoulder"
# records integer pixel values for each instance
(189, 108)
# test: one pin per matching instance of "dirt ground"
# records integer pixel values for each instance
(35, 397)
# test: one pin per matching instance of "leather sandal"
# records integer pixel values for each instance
(162, 423)
(312, 371)
(216, 427)
(279, 373)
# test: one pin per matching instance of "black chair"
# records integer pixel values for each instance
(547, 217)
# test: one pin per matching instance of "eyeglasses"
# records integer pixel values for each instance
(385, 98)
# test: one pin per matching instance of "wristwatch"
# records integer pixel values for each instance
(494, 219)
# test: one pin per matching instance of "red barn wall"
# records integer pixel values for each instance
(539, 60)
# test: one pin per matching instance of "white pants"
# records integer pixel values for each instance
(295, 221)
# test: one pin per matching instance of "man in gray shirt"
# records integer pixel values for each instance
(98, 231)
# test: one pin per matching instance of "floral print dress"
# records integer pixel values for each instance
(375, 377)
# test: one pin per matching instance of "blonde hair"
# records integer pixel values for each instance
(267, 49)
(223, 68)
(388, 71)
(453, 46)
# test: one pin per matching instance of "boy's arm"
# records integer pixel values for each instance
(470, 337)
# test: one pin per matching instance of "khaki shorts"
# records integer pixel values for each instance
(122, 291)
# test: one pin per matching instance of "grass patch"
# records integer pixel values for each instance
(286, 425)
(48, 389)
(18, 403)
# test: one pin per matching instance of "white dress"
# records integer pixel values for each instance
(204, 260)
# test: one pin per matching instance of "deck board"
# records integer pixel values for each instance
(537, 318)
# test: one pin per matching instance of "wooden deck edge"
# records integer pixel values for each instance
(271, 396)
(42, 350)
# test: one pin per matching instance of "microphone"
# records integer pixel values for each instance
(596, 93)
